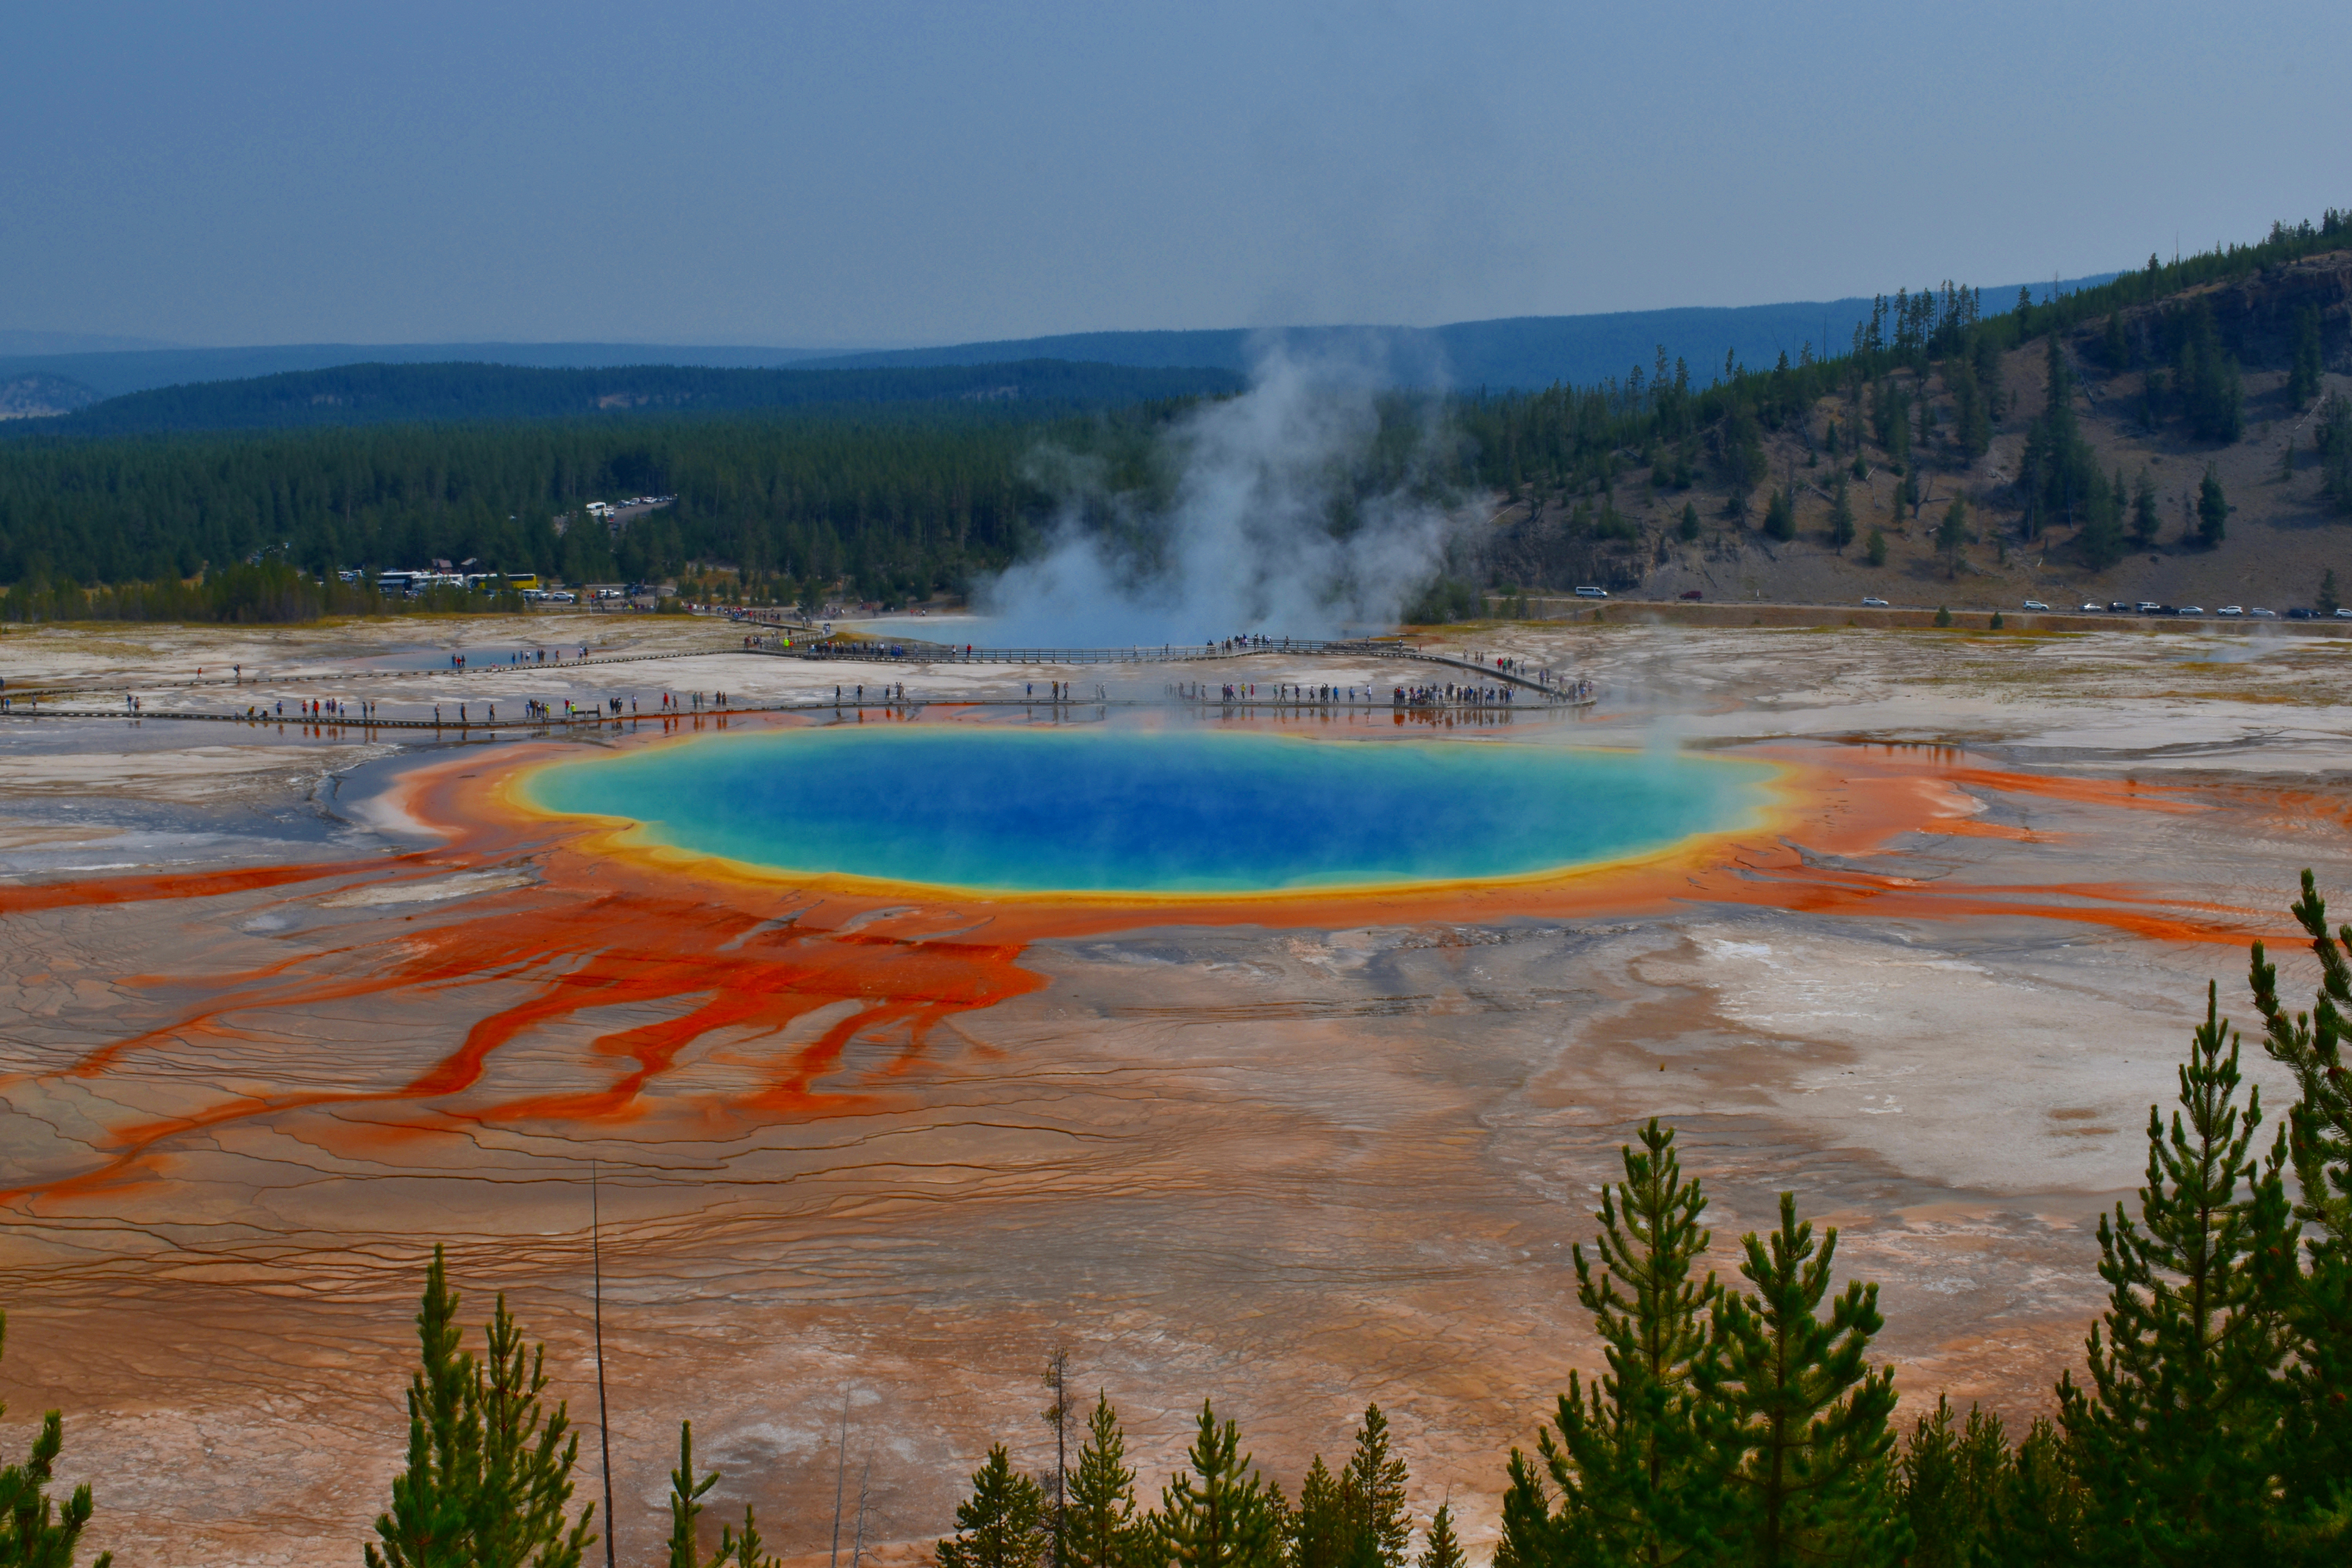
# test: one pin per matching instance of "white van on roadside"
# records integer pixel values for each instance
(1593, 592)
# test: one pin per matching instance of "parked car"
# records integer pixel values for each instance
(1593, 592)
(2118, 607)
(2150, 607)
(1693, 593)
(2189, 610)
(2095, 606)
(1869, 603)
(2265, 614)
(2035, 604)
(2231, 610)
(2342, 614)
(2301, 615)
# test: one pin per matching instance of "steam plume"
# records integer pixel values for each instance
(1246, 541)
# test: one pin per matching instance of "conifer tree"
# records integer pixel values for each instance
(2318, 1435)
(2311, 1046)
(1795, 1415)
(1441, 1551)
(1218, 1512)
(1780, 517)
(36, 1531)
(2324, 601)
(1971, 418)
(1841, 517)
(2332, 441)
(1951, 1477)
(1874, 548)
(2175, 1438)
(1001, 1524)
(1531, 1536)
(686, 1494)
(1372, 1493)
(2038, 1512)
(1103, 1529)
(2302, 377)
(2213, 508)
(528, 1455)
(2101, 538)
(1952, 534)
(2146, 519)
(1626, 1462)
(2114, 344)
(488, 1472)
(1319, 1526)
(429, 1523)
(746, 1550)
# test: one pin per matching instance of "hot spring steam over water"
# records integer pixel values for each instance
(1183, 812)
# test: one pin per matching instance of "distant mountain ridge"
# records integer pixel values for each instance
(115, 372)
(1514, 352)
(18, 341)
(466, 392)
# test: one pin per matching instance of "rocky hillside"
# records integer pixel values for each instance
(2249, 416)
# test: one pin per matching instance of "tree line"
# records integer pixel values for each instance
(1736, 1422)
(260, 592)
(899, 501)
(896, 500)
(471, 392)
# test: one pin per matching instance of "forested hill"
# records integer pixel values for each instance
(1523, 352)
(1934, 452)
(468, 392)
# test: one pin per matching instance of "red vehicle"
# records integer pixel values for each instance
(1693, 593)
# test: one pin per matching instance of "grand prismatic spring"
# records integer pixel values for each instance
(1273, 1052)
(1190, 810)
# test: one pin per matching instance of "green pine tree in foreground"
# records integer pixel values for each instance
(2175, 1437)
(1003, 1524)
(686, 1494)
(489, 1469)
(1627, 1467)
(1372, 1497)
(1319, 1525)
(1793, 1414)
(1443, 1550)
(2318, 1436)
(36, 1531)
(1218, 1512)
(1101, 1527)
(1949, 1477)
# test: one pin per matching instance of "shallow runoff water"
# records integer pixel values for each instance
(1175, 811)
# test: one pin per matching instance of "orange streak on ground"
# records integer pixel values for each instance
(177, 885)
(754, 957)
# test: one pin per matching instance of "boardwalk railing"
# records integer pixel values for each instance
(905, 651)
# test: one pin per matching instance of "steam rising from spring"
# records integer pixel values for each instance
(1246, 541)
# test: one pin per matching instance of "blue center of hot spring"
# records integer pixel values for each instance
(1184, 810)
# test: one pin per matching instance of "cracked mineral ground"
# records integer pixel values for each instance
(286, 1003)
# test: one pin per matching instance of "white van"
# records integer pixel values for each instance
(1593, 592)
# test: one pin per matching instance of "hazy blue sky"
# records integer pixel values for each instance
(894, 173)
